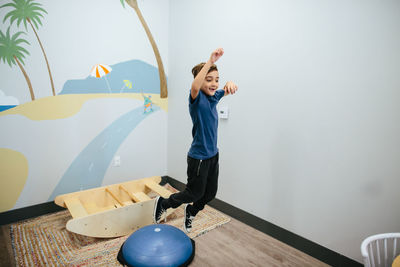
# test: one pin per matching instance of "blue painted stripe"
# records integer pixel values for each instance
(5, 107)
(89, 167)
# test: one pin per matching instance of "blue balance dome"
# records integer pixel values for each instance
(157, 245)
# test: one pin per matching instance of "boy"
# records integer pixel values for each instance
(203, 167)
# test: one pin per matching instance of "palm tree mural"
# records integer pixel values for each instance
(161, 73)
(13, 53)
(29, 11)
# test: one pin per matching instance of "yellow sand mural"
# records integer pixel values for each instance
(64, 106)
(14, 172)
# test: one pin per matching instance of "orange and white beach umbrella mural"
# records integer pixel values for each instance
(101, 70)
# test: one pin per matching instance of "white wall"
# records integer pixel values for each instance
(313, 135)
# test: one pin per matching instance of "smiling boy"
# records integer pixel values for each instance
(203, 156)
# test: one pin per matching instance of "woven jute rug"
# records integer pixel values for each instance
(44, 241)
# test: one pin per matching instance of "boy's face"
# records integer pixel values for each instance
(211, 83)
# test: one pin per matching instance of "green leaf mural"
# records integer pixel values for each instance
(12, 53)
(28, 11)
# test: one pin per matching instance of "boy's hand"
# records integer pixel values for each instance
(230, 88)
(216, 55)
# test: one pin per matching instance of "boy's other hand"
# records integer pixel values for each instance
(230, 88)
(216, 54)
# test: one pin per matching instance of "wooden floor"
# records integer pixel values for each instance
(233, 244)
(6, 254)
(237, 244)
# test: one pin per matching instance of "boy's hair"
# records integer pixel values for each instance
(196, 69)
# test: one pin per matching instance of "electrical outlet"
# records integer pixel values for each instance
(223, 112)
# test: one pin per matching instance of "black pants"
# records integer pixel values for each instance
(201, 187)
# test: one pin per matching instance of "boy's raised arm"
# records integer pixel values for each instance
(199, 79)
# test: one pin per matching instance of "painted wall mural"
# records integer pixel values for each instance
(13, 53)
(163, 80)
(69, 140)
(28, 12)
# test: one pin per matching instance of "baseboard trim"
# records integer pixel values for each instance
(309, 247)
(16, 215)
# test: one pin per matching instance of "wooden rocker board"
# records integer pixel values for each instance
(113, 223)
(114, 210)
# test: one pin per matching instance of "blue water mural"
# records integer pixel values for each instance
(5, 107)
(142, 75)
(89, 167)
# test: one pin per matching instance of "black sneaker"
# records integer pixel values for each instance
(188, 218)
(158, 210)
